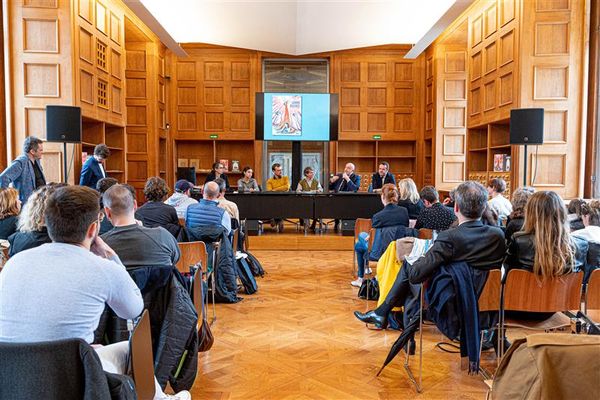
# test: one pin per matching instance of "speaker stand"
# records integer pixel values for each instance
(65, 164)
(525, 166)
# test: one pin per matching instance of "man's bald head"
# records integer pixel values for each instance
(119, 200)
(349, 169)
(211, 191)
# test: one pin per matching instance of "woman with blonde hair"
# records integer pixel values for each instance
(409, 197)
(544, 245)
(10, 206)
(32, 227)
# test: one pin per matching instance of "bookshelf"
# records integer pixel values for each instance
(95, 132)
(204, 153)
(483, 143)
(366, 156)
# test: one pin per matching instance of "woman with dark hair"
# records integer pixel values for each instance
(574, 214)
(247, 184)
(218, 171)
(391, 216)
(156, 213)
(520, 197)
(544, 245)
(10, 206)
(590, 215)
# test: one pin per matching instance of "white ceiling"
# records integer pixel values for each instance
(298, 27)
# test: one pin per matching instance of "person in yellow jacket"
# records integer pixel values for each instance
(278, 183)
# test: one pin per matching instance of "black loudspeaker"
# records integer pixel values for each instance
(63, 124)
(187, 173)
(527, 126)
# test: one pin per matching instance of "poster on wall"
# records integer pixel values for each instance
(287, 116)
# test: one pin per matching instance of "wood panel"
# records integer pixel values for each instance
(552, 57)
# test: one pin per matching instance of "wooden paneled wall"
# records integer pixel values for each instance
(553, 57)
(40, 70)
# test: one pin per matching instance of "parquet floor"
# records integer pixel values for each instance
(296, 338)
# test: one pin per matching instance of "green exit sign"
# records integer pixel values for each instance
(376, 137)
(214, 136)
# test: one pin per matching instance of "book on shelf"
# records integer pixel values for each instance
(195, 162)
(182, 162)
(507, 163)
(225, 163)
(500, 162)
(235, 165)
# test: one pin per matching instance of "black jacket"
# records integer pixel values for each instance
(521, 252)
(20, 241)
(377, 182)
(157, 213)
(8, 226)
(414, 209)
(514, 225)
(212, 176)
(481, 246)
(391, 215)
(437, 217)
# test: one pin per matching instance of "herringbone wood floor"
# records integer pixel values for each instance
(296, 338)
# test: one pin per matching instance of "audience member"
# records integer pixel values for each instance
(79, 275)
(544, 245)
(247, 184)
(102, 186)
(278, 182)
(574, 214)
(409, 198)
(520, 197)
(480, 246)
(381, 177)
(207, 212)
(10, 206)
(32, 228)
(449, 201)
(93, 168)
(225, 204)
(489, 216)
(434, 216)
(136, 245)
(181, 199)
(498, 202)
(590, 213)
(25, 172)
(156, 213)
(218, 171)
(309, 184)
(347, 181)
(391, 216)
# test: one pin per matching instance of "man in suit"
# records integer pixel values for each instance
(347, 181)
(25, 172)
(93, 169)
(381, 177)
(482, 247)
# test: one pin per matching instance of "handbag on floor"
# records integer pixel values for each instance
(205, 336)
(369, 289)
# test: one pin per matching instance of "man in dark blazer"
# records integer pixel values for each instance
(93, 169)
(381, 177)
(482, 247)
(347, 181)
(25, 172)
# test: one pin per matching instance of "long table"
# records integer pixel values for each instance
(269, 205)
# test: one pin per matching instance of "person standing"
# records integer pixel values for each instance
(93, 169)
(25, 172)
(381, 177)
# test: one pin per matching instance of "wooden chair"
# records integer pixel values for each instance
(425, 233)
(142, 363)
(360, 225)
(193, 254)
(592, 295)
(489, 300)
(525, 291)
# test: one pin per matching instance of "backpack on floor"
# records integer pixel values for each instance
(245, 275)
(255, 266)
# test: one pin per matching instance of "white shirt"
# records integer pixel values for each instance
(590, 233)
(501, 205)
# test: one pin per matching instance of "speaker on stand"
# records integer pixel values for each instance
(63, 124)
(526, 127)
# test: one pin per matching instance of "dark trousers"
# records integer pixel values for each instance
(402, 293)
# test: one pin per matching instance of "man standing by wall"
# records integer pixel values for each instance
(93, 169)
(25, 172)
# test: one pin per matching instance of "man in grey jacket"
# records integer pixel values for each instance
(25, 172)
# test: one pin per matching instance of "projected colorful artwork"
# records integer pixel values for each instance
(286, 119)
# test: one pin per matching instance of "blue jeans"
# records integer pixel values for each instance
(361, 248)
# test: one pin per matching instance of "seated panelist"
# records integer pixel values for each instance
(278, 182)
(381, 177)
(347, 181)
(309, 184)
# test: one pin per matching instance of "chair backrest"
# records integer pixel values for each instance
(192, 253)
(524, 291)
(425, 233)
(197, 297)
(142, 362)
(236, 239)
(489, 300)
(592, 294)
(361, 225)
(372, 233)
